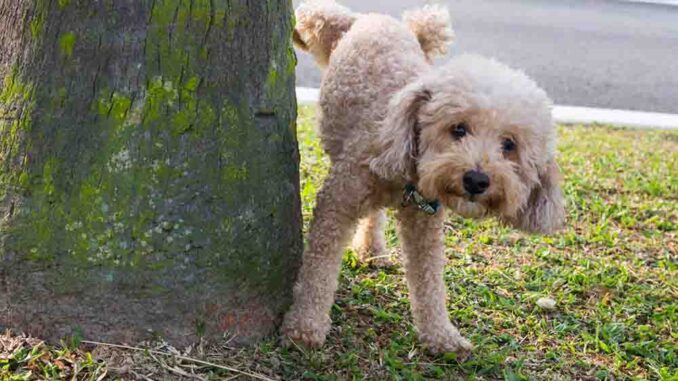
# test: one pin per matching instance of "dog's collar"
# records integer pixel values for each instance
(412, 197)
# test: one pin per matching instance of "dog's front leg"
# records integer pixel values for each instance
(334, 219)
(422, 241)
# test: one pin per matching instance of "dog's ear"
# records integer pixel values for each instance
(545, 209)
(397, 145)
(298, 41)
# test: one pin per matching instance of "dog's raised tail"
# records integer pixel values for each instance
(433, 28)
(320, 25)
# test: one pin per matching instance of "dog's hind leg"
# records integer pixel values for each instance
(334, 219)
(369, 241)
(422, 241)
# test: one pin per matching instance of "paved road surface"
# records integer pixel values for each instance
(596, 53)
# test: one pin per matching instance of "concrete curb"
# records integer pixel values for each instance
(307, 95)
(569, 114)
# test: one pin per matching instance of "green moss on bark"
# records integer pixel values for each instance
(67, 43)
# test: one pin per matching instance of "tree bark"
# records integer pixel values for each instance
(149, 180)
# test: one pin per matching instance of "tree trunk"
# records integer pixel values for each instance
(149, 178)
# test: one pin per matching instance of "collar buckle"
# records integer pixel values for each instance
(412, 197)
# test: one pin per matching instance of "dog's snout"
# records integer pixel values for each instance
(476, 182)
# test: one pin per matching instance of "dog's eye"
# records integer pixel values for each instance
(508, 145)
(460, 130)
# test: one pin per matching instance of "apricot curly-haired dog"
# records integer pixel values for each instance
(473, 135)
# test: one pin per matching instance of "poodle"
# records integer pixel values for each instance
(473, 136)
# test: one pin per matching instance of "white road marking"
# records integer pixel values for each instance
(661, 2)
(568, 114)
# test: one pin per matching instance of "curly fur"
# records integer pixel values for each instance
(322, 23)
(320, 26)
(387, 119)
(433, 29)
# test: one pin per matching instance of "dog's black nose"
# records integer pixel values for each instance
(476, 182)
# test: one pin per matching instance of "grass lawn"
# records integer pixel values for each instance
(612, 272)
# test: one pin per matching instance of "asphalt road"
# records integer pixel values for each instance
(596, 53)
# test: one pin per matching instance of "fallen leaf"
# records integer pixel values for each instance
(547, 304)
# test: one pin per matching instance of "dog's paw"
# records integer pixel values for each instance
(303, 332)
(448, 342)
(305, 339)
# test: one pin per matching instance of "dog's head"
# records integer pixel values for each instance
(479, 137)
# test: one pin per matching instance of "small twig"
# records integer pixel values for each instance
(232, 377)
(228, 368)
(176, 370)
(230, 339)
(427, 363)
(103, 375)
(300, 349)
(141, 375)
(370, 259)
(183, 373)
